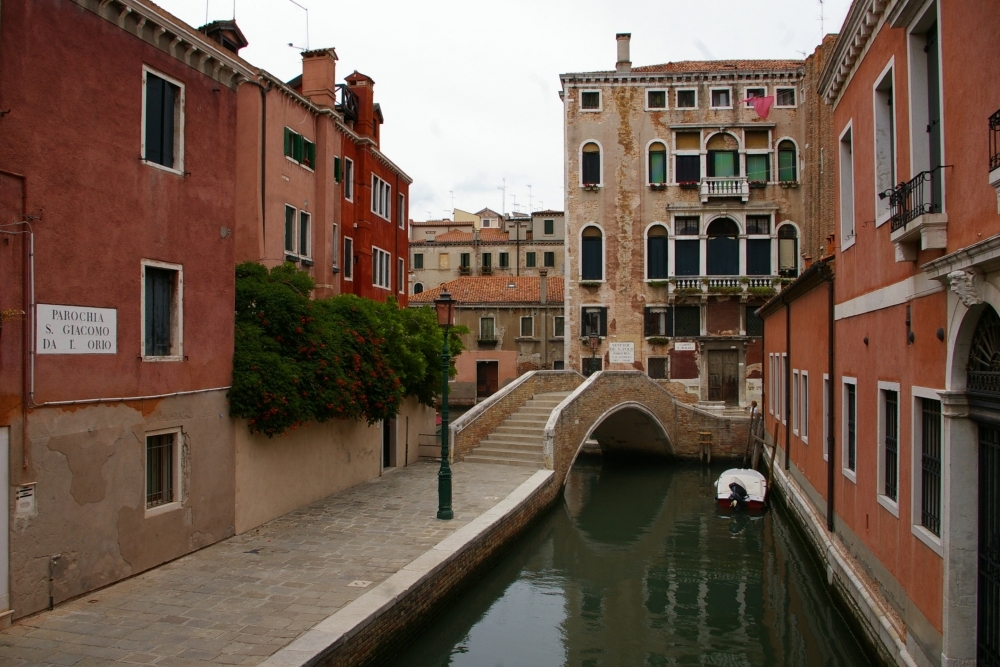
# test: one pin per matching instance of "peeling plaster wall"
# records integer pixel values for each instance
(90, 495)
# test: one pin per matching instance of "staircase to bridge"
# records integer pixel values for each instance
(543, 419)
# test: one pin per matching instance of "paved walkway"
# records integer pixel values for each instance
(239, 601)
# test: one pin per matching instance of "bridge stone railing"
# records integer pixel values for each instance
(466, 432)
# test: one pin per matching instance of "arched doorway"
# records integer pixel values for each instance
(983, 389)
(723, 250)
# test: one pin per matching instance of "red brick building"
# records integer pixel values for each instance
(895, 436)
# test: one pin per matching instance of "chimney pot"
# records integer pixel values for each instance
(624, 64)
(543, 291)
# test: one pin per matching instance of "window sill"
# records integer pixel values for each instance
(657, 186)
(307, 262)
(301, 164)
(890, 505)
(932, 541)
(526, 339)
(848, 242)
(592, 187)
(172, 357)
(720, 108)
(851, 475)
(157, 165)
(163, 509)
(291, 258)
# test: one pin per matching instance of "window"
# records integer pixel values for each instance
(783, 387)
(656, 368)
(527, 326)
(549, 259)
(163, 121)
(787, 163)
(924, 95)
(590, 164)
(759, 224)
(592, 254)
(380, 197)
(759, 257)
(656, 253)
(750, 93)
(673, 321)
(381, 268)
(723, 158)
(795, 401)
(846, 190)
(591, 365)
(401, 211)
(788, 251)
(688, 169)
(723, 248)
(162, 313)
(400, 275)
(885, 143)
(504, 260)
(804, 407)
(784, 97)
(338, 169)
(590, 100)
(758, 167)
(687, 321)
(888, 435)
(687, 252)
(549, 227)
(687, 98)
(755, 325)
(687, 147)
(305, 236)
(418, 288)
(558, 326)
(656, 99)
(593, 319)
(529, 260)
(557, 365)
(348, 258)
(487, 329)
(299, 149)
(850, 428)
(418, 261)
(290, 232)
(722, 98)
(335, 246)
(444, 261)
(686, 226)
(487, 261)
(464, 260)
(162, 478)
(657, 163)
(348, 179)
(930, 465)
(659, 321)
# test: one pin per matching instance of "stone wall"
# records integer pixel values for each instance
(468, 430)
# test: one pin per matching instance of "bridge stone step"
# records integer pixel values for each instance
(513, 442)
(520, 422)
(518, 439)
(532, 431)
(472, 458)
(509, 454)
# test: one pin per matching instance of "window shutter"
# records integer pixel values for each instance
(159, 292)
(592, 259)
(154, 119)
(584, 330)
(150, 319)
(169, 92)
(604, 321)
(310, 154)
(297, 147)
(669, 322)
(288, 142)
(650, 329)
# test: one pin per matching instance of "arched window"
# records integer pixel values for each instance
(787, 164)
(723, 250)
(723, 155)
(592, 254)
(591, 166)
(788, 251)
(418, 288)
(657, 163)
(656, 253)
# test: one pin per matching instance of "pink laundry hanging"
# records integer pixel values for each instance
(762, 105)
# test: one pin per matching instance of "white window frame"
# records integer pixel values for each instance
(711, 101)
(746, 95)
(680, 90)
(783, 387)
(305, 254)
(847, 472)
(885, 501)
(401, 212)
(804, 407)
(932, 541)
(178, 169)
(176, 309)
(348, 258)
(579, 166)
(381, 198)
(666, 160)
(294, 251)
(882, 210)
(795, 92)
(520, 326)
(487, 317)
(381, 268)
(600, 100)
(826, 416)
(770, 383)
(846, 172)
(348, 179)
(178, 476)
(666, 99)
(604, 253)
(554, 329)
(335, 245)
(795, 401)
(400, 274)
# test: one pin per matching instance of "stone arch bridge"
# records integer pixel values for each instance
(544, 418)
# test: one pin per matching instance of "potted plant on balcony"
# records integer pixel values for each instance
(591, 187)
(657, 340)
(590, 283)
(789, 184)
(758, 184)
(689, 185)
(657, 186)
(657, 283)
(762, 292)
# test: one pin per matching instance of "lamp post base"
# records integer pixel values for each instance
(444, 493)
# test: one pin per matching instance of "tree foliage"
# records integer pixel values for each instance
(298, 359)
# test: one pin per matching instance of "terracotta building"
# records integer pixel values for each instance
(881, 375)
(686, 209)
(516, 325)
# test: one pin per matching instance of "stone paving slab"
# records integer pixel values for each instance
(239, 601)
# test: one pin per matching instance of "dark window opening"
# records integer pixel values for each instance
(593, 319)
(787, 164)
(590, 100)
(159, 469)
(755, 324)
(591, 166)
(159, 311)
(657, 163)
(550, 227)
(930, 465)
(759, 257)
(687, 258)
(687, 321)
(656, 99)
(687, 99)
(723, 249)
(688, 169)
(656, 368)
(549, 259)
(656, 253)
(161, 116)
(529, 260)
(592, 254)
(891, 430)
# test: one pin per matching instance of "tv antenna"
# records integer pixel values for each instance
(503, 202)
(529, 200)
(822, 28)
(306, 10)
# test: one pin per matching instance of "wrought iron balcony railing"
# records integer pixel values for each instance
(910, 200)
(995, 141)
(347, 102)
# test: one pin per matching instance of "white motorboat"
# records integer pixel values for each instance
(741, 488)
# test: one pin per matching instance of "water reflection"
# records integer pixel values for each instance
(637, 568)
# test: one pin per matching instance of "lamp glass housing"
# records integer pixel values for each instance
(445, 307)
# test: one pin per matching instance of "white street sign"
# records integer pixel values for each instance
(75, 330)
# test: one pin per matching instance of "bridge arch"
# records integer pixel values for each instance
(618, 431)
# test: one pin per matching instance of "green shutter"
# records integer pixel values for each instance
(288, 142)
(310, 154)
(297, 147)
(289, 229)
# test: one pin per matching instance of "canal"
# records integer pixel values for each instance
(636, 567)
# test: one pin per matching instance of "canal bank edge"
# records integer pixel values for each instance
(361, 631)
(863, 604)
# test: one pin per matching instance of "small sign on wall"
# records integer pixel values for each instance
(685, 347)
(75, 330)
(621, 353)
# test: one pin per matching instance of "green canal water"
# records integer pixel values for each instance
(637, 567)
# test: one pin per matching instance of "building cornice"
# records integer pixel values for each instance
(982, 255)
(678, 78)
(862, 24)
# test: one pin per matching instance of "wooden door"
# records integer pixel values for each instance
(723, 376)
(487, 378)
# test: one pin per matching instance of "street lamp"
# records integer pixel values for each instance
(595, 340)
(445, 307)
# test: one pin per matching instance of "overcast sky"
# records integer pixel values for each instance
(469, 90)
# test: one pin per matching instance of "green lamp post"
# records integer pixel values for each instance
(445, 307)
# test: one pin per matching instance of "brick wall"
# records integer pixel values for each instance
(467, 432)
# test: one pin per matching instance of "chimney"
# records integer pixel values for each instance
(362, 86)
(319, 77)
(543, 287)
(226, 34)
(624, 64)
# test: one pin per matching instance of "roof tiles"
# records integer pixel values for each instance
(721, 66)
(495, 289)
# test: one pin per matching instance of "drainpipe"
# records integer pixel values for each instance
(788, 380)
(543, 298)
(264, 90)
(830, 439)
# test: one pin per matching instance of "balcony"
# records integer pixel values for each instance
(724, 186)
(917, 222)
(464, 271)
(995, 154)
(486, 271)
(347, 102)
(741, 286)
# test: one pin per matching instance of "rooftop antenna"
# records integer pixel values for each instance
(306, 10)
(822, 28)
(503, 205)
(452, 193)
(514, 205)
(529, 200)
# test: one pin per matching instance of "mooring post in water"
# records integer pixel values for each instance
(774, 452)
